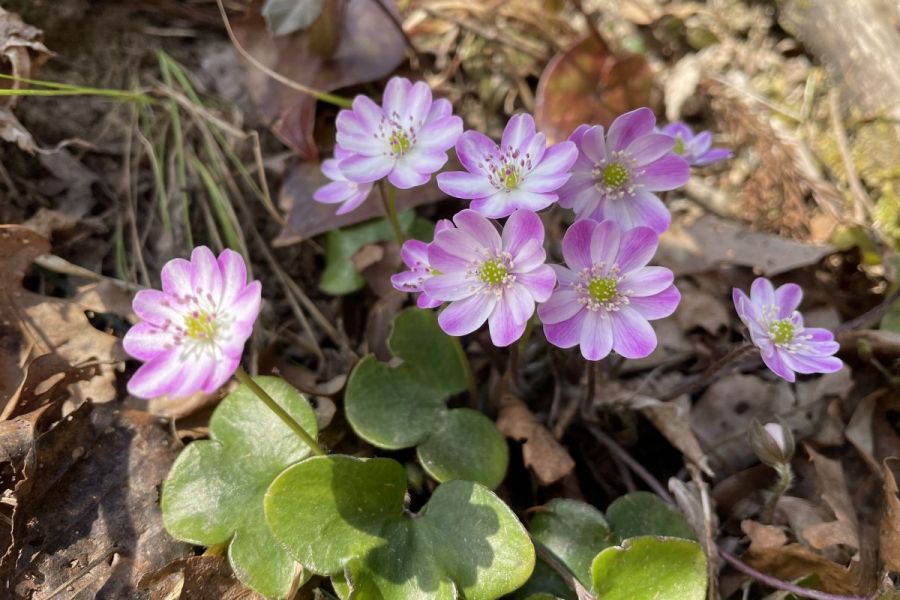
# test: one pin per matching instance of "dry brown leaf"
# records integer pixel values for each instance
(832, 487)
(770, 553)
(699, 308)
(549, 459)
(34, 326)
(672, 419)
(21, 49)
(860, 431)
(106, 296)
(710, 242)
(890, 520)
(196, 578)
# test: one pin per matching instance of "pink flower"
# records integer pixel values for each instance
(415, 256)
(617, 172)
(776, 328)
(606, 293)
(696, 149)
(341, 190)
(489, 276)
(521, 173)
(192, 333)
(406, 140)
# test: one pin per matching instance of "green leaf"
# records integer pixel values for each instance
(340, 276)
(214, 492)
(574, 532)
(405, 405)
(465, 446)
(650, 568)
(340, 515)
(643, 513)
(287, 16)
(544, 583)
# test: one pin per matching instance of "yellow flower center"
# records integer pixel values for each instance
(492, 272)
(199, 326)
(614, 175)
(678, 148)
(782, 331)
(511, 179)
(399, 142)
(603, 289)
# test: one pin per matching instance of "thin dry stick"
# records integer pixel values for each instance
(318, 94)
(735, 562)
(707, 375)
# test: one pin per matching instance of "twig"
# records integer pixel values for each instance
(707, 375)
(338, 101)
(871, 316)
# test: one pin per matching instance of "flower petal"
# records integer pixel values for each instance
(713, 156)
(467, 186)
(762, 294)
(452, 250)
(776, 363)
(206, 278)
(176, 277)
(335, 192)
(441, 134)
(646, 281)
(440, 108)
(508, 320)
(394, 98)
(553, 170)
(417, 104)
(633, 336)
(540, 282)
(596, 335)
(576, 244)
(222, 371)
(479, 228)
(566, 333)
(657, 306)
(787, 299)
(403, 176)
(678, 129)
(145, 341)
(365, 169)
(649, 148)
(806, 364)
(522, 226)
(593, 144)
(362, 192)
(449, 287)
(193, 379)
(473, 149)
(465, 316)
(667, 173)
(605, 241)
(158, 376)
(502, 204)
(158, 308)
(637, 248)
(630, 126)
(561, 306)
(518, 132)
(367, 113)
(234, 275)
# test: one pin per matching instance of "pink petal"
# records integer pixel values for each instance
(414, 253)
(530, 257)
(657, 306)
(234, 275)
(395, 95)
(561, 306)
(596, 337)
(194, 378)
(176, 277)
(502, 204)
(566, 333)
(518, 132)
(157, 308)
(787, 298)
(473, 148)
(540, 282)
(776, 363)
(449, 287)
(667, 173)
(637, 248)
(576, 244)
(630, 126)
(646, 281)
(440, 108)
(642, 210)
(522, 226)
(244, 309)
(465, 316)
(632, 334)
(206, 279)
(403, 176)
(479, 228)
(222, 371)
(467, 186)
(335, 192)
(355, 143)
(593, 145)
(368, 113)
(331, 170)
(349, 122)
(441, 134)
(507, 321)
(452, 250)
(605, 241)
(553, 170)
(144, 341)
(649, 148)
(417, 105)
(351, 203)
(365, 169)
(158, 376)
(762, 293)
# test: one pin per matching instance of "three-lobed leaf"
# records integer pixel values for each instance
(214, 492)
(650, 568)
(343, 517)
(401, 406)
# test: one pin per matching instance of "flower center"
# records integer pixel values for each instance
(678, 148)
(508, 170)
(399, 142)
(492, 272)
(614, 175)
(510, 178)
(199, 326)
(782, 331)
(603, 289)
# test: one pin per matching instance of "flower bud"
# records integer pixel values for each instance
(773, 443)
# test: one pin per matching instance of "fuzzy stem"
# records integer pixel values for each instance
(388, 199)
(242, 376)
(785, 477)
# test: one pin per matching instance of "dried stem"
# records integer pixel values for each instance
(389, 200)
(710, 372)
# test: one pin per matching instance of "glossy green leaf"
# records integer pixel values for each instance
(650, 568)
(340, 276)
(544, 583)
(214, 492)
(465, 446)
(341, 516)
(401, 406)
(643, 513)
(574, 532)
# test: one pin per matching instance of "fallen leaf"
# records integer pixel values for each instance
(832, 488)
(23, 51)
(368, 48)
(107, 296)
(547, 458)
(890, 520)
(700, 309)
(860, 430)
(710, 242)
(94, 497)
(672, 419)
(34, 326)
(587, 83)
(195, 578)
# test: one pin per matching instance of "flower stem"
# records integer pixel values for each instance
(785, 476)
(467, 368)
(707, 376)
(242, 376)
(389, 201)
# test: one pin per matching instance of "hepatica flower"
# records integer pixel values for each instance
(415, 256)
(192, 333)
(696, 149)
(406, 139)
(341, 190)
(489, 276)
(776, 328)
(617, 172)
(607, 294)
(521, 173)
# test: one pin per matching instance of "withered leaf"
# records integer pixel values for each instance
(832, 486)
(547, 458)
(890, 520)
(195, 578)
